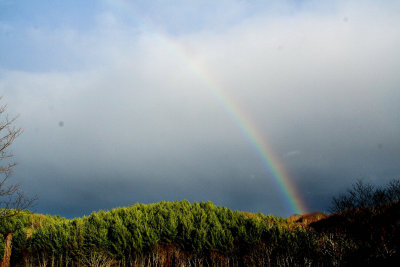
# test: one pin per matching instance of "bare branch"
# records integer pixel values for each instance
(12, 199)
(363, 195)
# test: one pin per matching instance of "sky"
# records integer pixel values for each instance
(263, 106)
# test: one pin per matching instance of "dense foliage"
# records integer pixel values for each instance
(202, 234)
(166, 233)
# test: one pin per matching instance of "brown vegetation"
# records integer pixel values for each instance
(306, 219)
(7, 252)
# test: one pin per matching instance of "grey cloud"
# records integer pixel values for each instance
(140, 124)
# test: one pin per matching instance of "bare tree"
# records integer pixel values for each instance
(364, 195)
(12, 199)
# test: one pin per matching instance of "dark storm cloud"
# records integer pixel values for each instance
(135, 122)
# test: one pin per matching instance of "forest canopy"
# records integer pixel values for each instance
(172, 233)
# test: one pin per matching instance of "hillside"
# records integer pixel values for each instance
(165, 233)
(187, 234)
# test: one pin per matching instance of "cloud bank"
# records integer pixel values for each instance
(117, 113)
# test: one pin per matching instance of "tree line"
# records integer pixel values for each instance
(161, 234)
(198, 234)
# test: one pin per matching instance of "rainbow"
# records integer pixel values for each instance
(271, 163)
